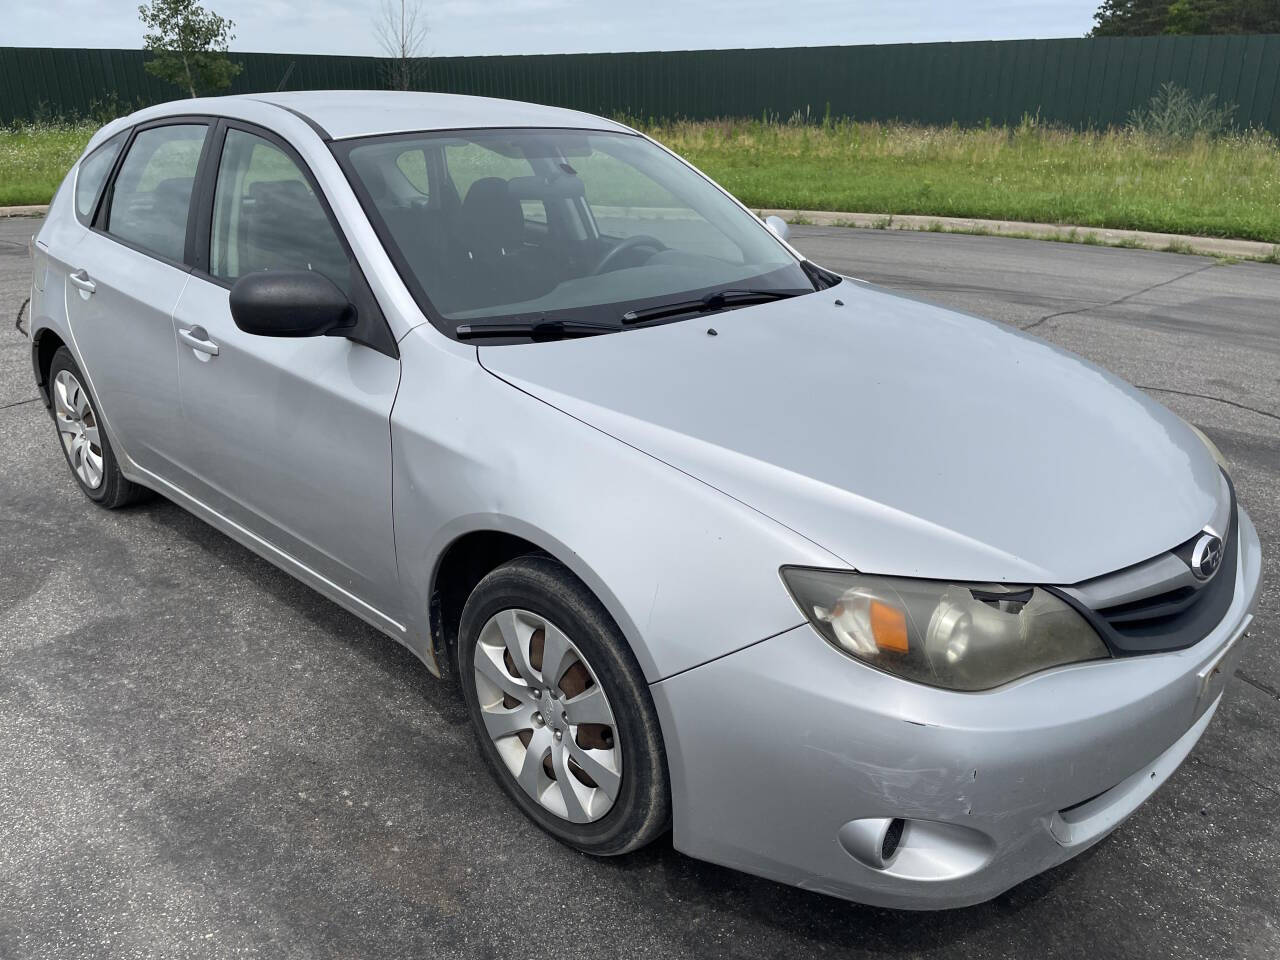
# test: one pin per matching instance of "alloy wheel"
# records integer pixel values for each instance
(78, 428)
(548, 716)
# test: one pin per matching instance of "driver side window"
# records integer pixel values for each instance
(266, 216)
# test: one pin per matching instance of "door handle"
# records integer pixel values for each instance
(197, 338)
(81, 279)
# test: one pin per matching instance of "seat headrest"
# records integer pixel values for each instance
(492, 218)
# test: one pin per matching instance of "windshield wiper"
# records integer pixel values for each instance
(538, 330)
(711, 302)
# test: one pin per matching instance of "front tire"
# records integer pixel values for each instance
(561, 709)
(83, 437)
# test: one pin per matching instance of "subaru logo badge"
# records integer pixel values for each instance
(1206, 557)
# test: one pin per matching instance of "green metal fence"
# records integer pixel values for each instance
(1074, 82)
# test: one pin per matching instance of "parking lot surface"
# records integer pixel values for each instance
(200, 757)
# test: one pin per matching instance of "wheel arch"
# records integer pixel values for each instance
(475, 550)
(44, 344)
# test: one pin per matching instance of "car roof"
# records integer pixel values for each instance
(342, 114)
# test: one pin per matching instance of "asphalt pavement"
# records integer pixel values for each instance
(200, 757)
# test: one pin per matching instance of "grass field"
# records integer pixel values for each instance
(34, 159)
(1228, 187)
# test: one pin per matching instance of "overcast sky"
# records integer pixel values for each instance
(460, 27)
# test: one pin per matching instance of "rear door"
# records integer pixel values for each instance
(124, 279)
(289, 438)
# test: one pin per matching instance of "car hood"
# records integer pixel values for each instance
(902, 437)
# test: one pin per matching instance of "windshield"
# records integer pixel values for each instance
(570, 225)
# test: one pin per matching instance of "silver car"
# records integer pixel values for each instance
(841, 588)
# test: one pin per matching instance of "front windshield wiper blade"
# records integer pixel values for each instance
(711, 302)
(542, 329)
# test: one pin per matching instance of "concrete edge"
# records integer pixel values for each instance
(31, 210)
(1140, 239)
(1101, 236)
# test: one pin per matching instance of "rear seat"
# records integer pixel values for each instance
(429, 240)
(473, 255)
(155, 219)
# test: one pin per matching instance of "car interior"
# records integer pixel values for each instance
(152, 192)
(499, 223)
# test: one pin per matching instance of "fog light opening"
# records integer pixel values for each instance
(916, 849)
(892, 837)
(875, 841)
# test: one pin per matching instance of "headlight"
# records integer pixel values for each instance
(963, 636)
(1213, 447)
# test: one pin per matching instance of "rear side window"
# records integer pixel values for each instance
(267, 217)
(412, 165)
(152, 194)
(93, 174)
(469, 162)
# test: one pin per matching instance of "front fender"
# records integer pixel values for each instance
(688, 573)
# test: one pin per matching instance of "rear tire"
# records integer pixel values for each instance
(83, 437)
(575, 743)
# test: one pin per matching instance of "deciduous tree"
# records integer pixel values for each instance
(1130, 18)
(188, 45)
(401, 31)
(1144, 18)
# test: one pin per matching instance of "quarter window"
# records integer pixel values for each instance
(266, 216)
(93, 174)
(412, 165)
(152, 194)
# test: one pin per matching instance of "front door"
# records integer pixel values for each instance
(289, 438)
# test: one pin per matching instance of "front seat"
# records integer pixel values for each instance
(285, 228)
(509, 270)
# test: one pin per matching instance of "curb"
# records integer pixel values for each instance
(32, 210)
(1099, 236)
(1140, 239)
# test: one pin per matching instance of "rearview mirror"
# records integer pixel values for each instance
(289, 303)
(778, 226)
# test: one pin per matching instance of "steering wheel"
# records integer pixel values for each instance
(630, 243)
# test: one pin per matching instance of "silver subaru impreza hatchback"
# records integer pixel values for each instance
(844, 589)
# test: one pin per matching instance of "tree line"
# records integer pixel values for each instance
(1146, 18)
(189, 45)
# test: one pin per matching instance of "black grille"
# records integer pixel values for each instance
(1172, 620)
(1160, 607)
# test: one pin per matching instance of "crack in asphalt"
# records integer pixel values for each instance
(1259, 685)
(1265, 787)
(18, 403)
(1118, 300)
(1205, 396)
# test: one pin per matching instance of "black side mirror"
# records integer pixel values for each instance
(290, 303)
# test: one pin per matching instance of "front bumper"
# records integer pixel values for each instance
(780, 754)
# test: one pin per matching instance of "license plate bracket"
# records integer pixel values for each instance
(1213, 675)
